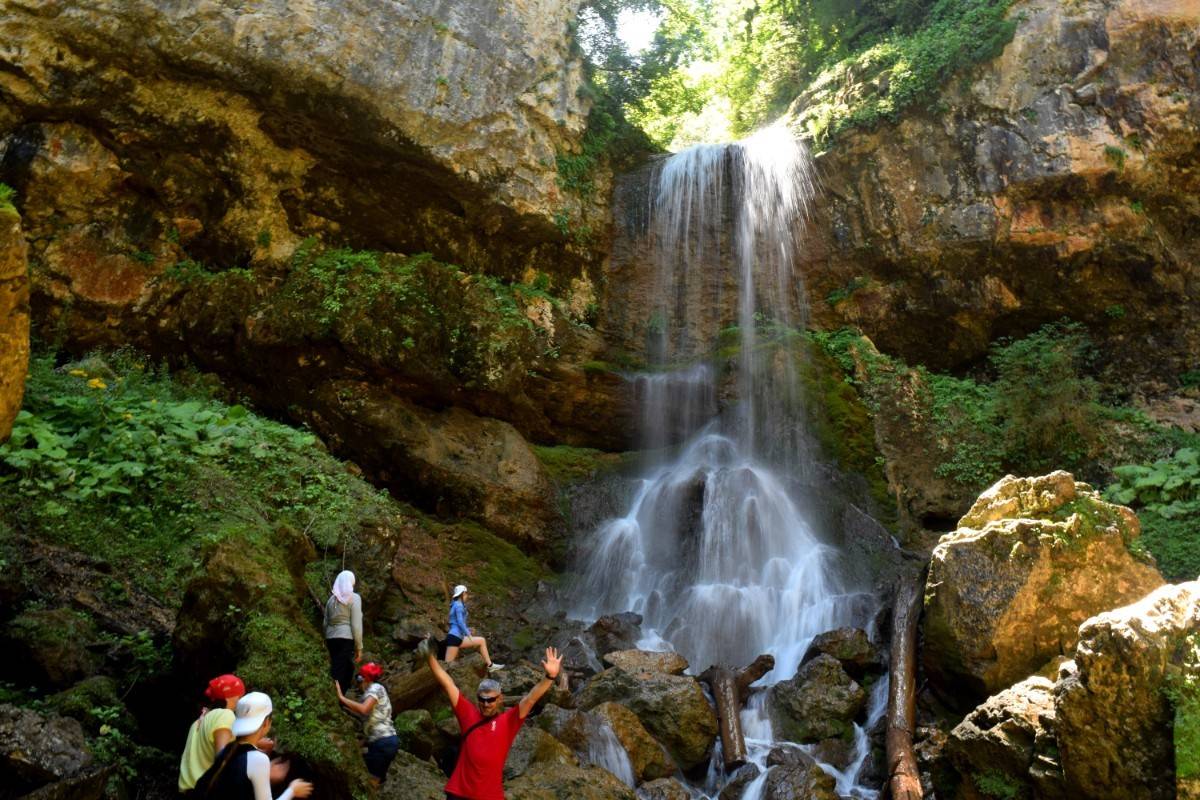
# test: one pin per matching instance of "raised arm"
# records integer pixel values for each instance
(363, 708)
(551, 664)
(425, 651)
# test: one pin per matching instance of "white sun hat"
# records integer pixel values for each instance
(250, 711)
(460, 589)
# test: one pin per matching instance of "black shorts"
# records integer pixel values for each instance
(380, 754)
(453, 641)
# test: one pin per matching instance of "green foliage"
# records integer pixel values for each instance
(840, 295)
(566, 464)
(1183, 690)
(994, 783)
(7, 193)
(1038, 412)
(118, 459)
(1115, 156)
(1166, 495)
(1115, 311)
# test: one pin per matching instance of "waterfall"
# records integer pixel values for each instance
(717, 550)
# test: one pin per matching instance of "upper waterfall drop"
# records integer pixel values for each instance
(716, 550)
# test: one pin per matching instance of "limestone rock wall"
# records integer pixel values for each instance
(1061, 180)
(233, 129)
(14, 319)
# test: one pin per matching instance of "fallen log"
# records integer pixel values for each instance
(411, 690)
(729, 690)
(904, 778)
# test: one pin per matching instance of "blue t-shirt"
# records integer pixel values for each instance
(458, 619)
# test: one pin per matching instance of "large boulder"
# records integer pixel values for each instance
(795, 776)
(646, 756)
(1009, 740)
(1007, 591)
(534, 746)
(663, 789)
(566, 782)
(55, 647)
(47, 756)
(673, 708)
(647, 661)
(850, 646)
(14, 317)
(820, 702)
(413, 778)
(1114, 713)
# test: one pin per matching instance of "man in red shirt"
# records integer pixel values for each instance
(487, 731)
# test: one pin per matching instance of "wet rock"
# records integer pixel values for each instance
(55, 646)
(47, 755)
(663, 789)
(418, 733)
(800, 782)
(837, 753)
(850, 646)
(533, 746)
(517, 679)
(647, 661)
(567, 782)
(820, 702)
(616, 632)
(1114, 718)
(1007, 591)
(736, 785)
(673, 708)
(410, 630)
(14, 319)
(646, 756)
(563, 724)
(1010, 740)
(413, 778)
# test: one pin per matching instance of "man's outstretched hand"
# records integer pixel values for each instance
(424, 649)
(552, 663)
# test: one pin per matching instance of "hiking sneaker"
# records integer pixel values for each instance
(494, 667)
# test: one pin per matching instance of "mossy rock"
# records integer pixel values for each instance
(55, 646)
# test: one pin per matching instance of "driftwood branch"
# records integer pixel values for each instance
(904, 778)
(413, 689)
(729, 690)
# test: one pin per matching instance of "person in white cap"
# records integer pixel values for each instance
(460, 635)
(242, 771)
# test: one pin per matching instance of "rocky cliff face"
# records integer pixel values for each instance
(236, 129)
(1058, 180)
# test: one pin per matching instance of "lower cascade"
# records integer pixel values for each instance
(719, 549)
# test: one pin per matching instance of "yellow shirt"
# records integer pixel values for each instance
(199, 752)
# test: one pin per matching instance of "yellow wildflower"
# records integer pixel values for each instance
(129, 416)
(96, 383)
(78, 373)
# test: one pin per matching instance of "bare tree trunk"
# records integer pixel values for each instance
(729, 690)
(904, 777)
(408, 691)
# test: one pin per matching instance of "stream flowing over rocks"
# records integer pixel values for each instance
(342, 257)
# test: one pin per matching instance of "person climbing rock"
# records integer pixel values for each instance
(211, 731)
(343, 629)
(460, 636)
(376, 707)
(487, 729)
(241, 770)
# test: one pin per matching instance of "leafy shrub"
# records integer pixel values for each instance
(7, 193)
(1166, 495)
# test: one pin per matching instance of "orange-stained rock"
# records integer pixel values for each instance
(14, 319)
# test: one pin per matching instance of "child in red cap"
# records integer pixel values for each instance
(376, 707)
(211, 731)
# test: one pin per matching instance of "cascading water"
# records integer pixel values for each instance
(716, 552)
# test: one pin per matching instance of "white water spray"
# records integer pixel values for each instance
(715, 551)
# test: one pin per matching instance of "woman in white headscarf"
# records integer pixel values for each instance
(343, 629)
